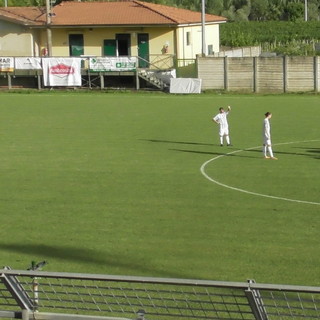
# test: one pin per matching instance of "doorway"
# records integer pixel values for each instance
(143, 50)
(123, 44)
(110, 47)
(76, 45)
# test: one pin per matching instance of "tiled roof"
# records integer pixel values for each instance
(180, 16)
(23, 15)
(129, 12)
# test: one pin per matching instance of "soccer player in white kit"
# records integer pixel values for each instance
(267, 148)
(221, 119)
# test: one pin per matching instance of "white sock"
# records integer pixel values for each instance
(228, 139)
(270, 151)
(264, 150)
(221, 139)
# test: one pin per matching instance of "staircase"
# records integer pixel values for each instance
(156, 78)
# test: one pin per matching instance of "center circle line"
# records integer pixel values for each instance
(202, 170)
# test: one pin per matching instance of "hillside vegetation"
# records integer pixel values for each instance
(282, 37)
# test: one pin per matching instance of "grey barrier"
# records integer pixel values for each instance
(51, 295)
(280, 74)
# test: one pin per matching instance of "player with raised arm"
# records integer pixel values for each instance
(222, 121)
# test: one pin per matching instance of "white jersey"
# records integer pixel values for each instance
(221, 118)
(266, 129)
(266, 135)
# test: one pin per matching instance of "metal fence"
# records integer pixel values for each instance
(50, 295)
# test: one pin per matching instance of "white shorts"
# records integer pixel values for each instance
(223, 131)
(266, 141)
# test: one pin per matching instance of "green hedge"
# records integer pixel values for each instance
(292, 38)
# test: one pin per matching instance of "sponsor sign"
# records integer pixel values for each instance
(6, 64)
(112, 64)
(61, 71)
(27, 63)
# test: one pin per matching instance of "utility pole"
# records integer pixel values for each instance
(5, 3)
(305, 10)
(49, 33)
(203, 23)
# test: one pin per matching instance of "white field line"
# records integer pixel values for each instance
(202, 169)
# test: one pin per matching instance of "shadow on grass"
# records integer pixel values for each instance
(312, 152)
(227, 149)
(89, 257)
(213, 153)
(309, 152)
(178, 142)
(317, 150)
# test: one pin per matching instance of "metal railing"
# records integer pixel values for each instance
(17, 76)
(51, 295)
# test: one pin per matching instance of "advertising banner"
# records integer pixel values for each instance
(101, 64)
(27, 63)
(61, 71)
(6, 64)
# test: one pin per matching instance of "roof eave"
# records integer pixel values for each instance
(19, 21)
(95, 26)
(138, 25)
(199, 23)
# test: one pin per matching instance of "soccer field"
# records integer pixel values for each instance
(137, 184)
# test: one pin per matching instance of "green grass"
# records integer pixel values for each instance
(111, 183)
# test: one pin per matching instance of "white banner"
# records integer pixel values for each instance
(6, 64)
(27, 63)
(101, 64)
(185, 85)
(61, 71)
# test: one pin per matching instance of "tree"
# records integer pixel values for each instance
(274, 11)
(294, 11)
(258, 9)
(215, 7)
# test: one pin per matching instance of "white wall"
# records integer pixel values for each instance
(191, 50)
(15, 41)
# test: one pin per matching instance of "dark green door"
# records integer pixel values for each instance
(110, 47)
(76, 45)
(143, 50)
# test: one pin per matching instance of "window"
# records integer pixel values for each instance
(188, 38)
(210, 49)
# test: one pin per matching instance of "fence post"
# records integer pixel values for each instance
(9, 81)
(137, 79)
(315, 73)
(25, 314)
(285, 74)
(39, 80)
(225, 68)
(255, 81)
(101, 81)
(256, 303)
(140, 314)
